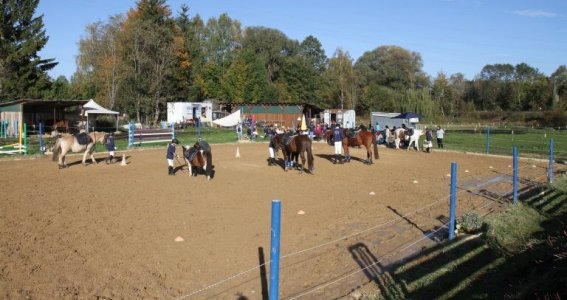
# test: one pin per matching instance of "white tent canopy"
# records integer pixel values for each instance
(93, 108)
(231, 120)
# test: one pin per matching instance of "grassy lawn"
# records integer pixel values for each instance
(530, 142)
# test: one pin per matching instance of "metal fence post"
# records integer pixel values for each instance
(550, 169)
(515, 176)
(487, 140)
(275, 250)
(41, 146)
(453, 201)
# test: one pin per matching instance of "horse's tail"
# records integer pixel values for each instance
(209, 162)
(310, 158)
(56, 149)
(375, 145)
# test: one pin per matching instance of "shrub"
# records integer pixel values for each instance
(470, 223)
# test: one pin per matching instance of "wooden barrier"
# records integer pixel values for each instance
(138, 136)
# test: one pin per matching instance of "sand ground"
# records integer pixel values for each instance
(108, 231)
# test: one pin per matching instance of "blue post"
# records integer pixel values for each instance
(515, 176)
(487, 140)
(41, 147)
(130, 135)
(199, 127)
(550, 169)
(275, 250)
(453, 203)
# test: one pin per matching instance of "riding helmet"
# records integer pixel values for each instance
(175, 141)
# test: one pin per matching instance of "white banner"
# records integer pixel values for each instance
(231, 120)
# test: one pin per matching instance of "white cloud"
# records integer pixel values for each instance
(534, 13)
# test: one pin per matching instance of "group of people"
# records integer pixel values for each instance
(385, 136)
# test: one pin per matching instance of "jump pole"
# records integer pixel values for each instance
(550, 169)
(515, 176)
(275, 250)
(25, 139)
(453, 201)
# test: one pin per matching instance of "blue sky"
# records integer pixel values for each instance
(451, 35)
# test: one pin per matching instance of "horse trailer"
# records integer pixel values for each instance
(345, 117)
(183, 112)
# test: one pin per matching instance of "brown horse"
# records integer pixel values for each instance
(362, 138)
(199, 157)
(293, 146)
(71, 143)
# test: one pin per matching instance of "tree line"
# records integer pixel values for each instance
(138, 61)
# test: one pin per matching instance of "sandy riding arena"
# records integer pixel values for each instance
(133, 232)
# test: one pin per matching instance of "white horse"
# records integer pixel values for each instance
(414, 138)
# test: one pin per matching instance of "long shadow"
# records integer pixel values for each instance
(539, 271)
(100, 160)
(435, 237)
(263, 274)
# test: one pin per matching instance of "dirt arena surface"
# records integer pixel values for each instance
(108, 231)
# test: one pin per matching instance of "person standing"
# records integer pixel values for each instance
(170, 155)
(338, 141)
(440, 133)
(428, 140)
(272, 152)
(110, 147)
(239, 131)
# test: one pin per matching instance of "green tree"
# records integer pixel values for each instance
(153, 45)
(99, 59)
(341, 79)
(23, 74)
(391, 66)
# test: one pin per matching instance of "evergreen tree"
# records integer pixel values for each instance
(22, 71)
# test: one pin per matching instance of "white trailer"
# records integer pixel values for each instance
(182, 112)
(345, 117)
(390, 120)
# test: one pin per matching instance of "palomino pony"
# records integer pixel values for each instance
(199, 157)
(296, 146)
(77, 143)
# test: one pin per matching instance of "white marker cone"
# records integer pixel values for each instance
(123, 163)
(237, 151)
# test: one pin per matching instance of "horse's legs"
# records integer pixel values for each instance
(302, 154)
(92, 158)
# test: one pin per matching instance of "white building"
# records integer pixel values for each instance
(181, 112)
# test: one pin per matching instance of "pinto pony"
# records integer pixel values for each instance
(77, 143)
(295, 146)
(200, 158)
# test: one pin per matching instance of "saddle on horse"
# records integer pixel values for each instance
(83, 138)
(191, 153)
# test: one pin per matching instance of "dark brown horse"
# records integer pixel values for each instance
(199, 158)
(361, 138)
(292, 146)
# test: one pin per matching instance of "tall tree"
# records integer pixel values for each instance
(194, 35)
(23, 74)
(99, 59)
(153, 46)
(391, 66)
(342, 80)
